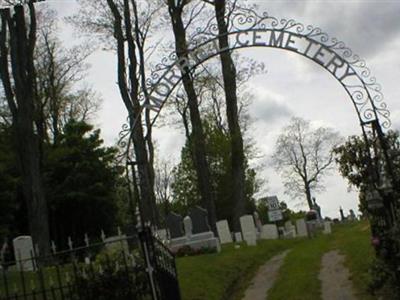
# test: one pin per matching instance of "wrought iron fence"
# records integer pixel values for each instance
(124, 267)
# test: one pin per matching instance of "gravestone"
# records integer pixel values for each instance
(223, 232)
(269, 232)
(23, 251)
(327, 227)
(238, 237)
(290, 230)
(197, 234)
(301, 228)
(174, 225)
(288, 225)
(248, 229)
(352, 215)
(187, 225)
(162, 234)
(199, 218)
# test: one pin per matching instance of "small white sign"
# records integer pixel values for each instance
(273, 203)
(275, 215)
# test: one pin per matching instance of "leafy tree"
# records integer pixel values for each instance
(184, 189)
(81, 179)
(352, 158)
(38, 78)
(361, 170)
(303, 155)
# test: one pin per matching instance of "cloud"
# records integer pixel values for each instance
(268, 106)
(365, 26)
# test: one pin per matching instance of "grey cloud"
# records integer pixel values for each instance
(268, 109)
(365, 26)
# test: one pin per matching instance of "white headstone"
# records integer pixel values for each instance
(248, 229)
(188, 226)
(290, 231)
(269, 232)
(251, 240)
(327, 227)
(238, 237)
(162, 234)
(23, 251)
(301, 228)
(223, 232)
(288, 225)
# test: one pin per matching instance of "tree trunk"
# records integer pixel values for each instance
(308, 195)
(130, 96)
(237, 153)
(198, 137)
(22, 107)
(149, 134)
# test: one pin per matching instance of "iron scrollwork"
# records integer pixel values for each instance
(348, 68)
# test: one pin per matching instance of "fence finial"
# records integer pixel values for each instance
(86, 240)
(70, 244)
(53, 247)
(119, 231)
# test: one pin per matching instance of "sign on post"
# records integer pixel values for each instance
(273, 203)
(274, 211)
(275, 215)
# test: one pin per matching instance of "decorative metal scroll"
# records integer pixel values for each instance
(247, 29)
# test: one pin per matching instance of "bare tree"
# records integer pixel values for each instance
(162, 183)
(59, 70)
(17, 47)
(124, 26)
(303, 155)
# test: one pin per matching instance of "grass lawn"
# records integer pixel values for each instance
(298, 277)
(354, 242)
(227, 274)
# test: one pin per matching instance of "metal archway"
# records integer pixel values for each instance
(246, 29)
(249, 29)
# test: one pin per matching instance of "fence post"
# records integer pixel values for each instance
(145, 243)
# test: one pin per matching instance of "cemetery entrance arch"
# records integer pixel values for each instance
(246, 29)
(250, 29)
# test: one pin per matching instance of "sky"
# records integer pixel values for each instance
(292, 86)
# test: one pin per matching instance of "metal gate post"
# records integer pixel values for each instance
(144, 239)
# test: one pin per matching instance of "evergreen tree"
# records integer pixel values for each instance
(81, 180)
